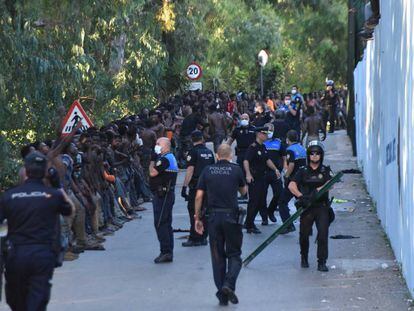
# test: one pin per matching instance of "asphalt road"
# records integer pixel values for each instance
(363, 274)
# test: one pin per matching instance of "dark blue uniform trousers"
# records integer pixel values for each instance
(29, 270)
(226, 239)
(240, 158)
(284, 200)
(277, 188)
(163, 217)
(257, 201)
(194, 236)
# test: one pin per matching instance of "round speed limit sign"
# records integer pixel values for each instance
(194, 71)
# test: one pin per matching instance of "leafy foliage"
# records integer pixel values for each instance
(121, 55)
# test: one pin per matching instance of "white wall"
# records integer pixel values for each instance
(384, 96)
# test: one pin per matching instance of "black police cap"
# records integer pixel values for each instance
(35, 158)
(262, 129)
(196, 135)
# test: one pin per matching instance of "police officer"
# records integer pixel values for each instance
(163, 176)
(244, 135)
(261, 116)
(220, 182)
(281, 127)
(197, 159)
(294, 107)
(304, 184)
(256, 163)
(295, 158)
(32, 211)
(277, 154)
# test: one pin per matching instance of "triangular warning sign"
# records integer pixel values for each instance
(75, 115)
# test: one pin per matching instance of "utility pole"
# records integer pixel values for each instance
(350, 78)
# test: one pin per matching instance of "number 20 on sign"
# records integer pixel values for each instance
(194, 71)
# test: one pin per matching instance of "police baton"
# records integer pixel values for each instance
(163, 204)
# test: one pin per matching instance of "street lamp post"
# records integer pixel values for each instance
(262, 58)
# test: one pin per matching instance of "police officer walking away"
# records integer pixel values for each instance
(163, 175)
(304, 184)
(256, 163)
(220, 182)
(295, 158)
(32, 211)
(197, 159)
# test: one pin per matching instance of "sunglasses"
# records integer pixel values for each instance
(315, 153)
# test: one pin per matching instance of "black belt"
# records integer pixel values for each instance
(223, 210)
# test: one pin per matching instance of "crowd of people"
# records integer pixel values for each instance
(82, 186)
(105, 171)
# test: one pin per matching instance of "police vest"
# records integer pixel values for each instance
(298, 151)
(274, 144)
(173, 167)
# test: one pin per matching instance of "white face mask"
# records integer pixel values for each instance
(294, 91)
(157, 149)
(270, 135)
(138, 140)
(244, 122)
(287, 101)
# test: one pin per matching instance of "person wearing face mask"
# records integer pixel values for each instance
(244, 135)
(260, 116)
(284, 107)
(294, 109)
(163, 172)
(277, 154)
(256, 163)
(296, 94)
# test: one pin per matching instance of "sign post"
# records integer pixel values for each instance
(75, 115)
(194, 71)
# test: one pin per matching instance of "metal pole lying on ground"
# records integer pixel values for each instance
(291, 219)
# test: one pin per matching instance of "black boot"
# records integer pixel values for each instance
(272, 217)
(230, 294)
(223, 298)
(322, 266)
(162, 258)
(304, 262)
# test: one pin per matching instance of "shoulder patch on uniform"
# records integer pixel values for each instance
(254, 144)
(188, 158)
(259, 153)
